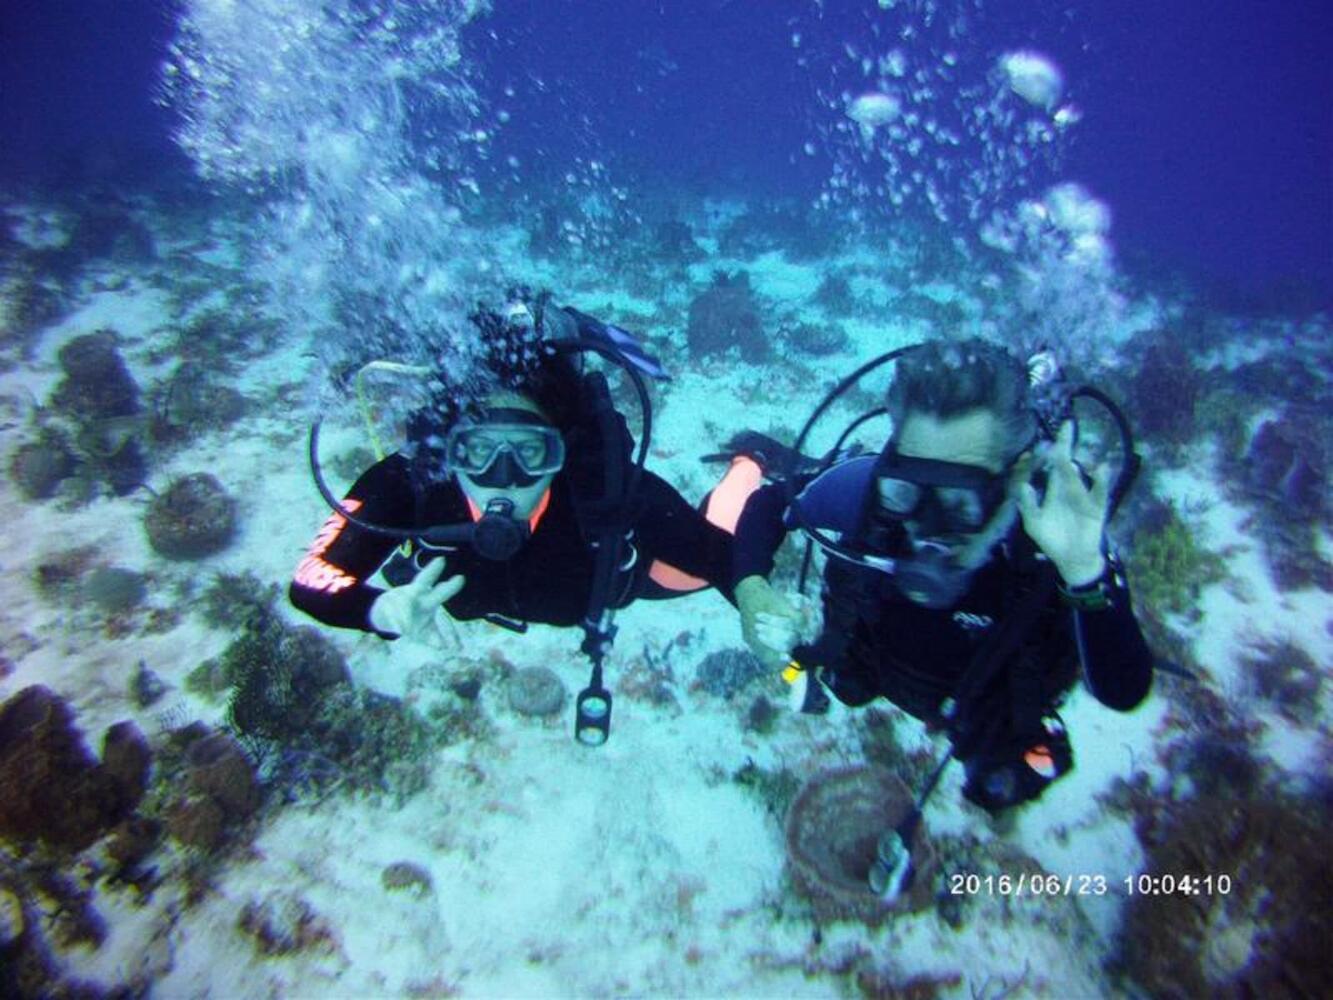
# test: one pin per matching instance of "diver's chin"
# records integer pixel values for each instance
(522, 501)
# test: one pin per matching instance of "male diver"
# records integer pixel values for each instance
(968, 579)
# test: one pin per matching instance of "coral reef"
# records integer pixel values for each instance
(1286, 463)
(114, 590)
(52, 789)
(292, 701)
(57, 577)
(146, 687)
(832, 830)
(536, 691)
(1167, 567)
(1283, 471)
(194, 518)
(282, 676)
(36, 900)
(406, 876)
(33, 302)
(834, 294)
(1285, 675)
(282, 923)
(221, 792)
(760, 717)
(726, 316)
(774, 788)
(817, 341)
(674, 240)
(799, 232)
(38, 467)
(101, 398)
(191, 402)
(1167, 386)
(725, 672)
(1267, 934)
(220, 340)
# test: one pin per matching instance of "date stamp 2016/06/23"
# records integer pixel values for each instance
(1039, 883)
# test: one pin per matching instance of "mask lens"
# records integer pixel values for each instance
(537, 450)
(962, 508)
(898, 496)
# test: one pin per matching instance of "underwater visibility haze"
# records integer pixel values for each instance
(233, 763)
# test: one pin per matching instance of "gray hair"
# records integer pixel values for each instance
(950, 378)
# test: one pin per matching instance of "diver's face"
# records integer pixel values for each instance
(971, 439)
(506, 459)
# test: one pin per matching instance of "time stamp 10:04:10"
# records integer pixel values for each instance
(1044, 884)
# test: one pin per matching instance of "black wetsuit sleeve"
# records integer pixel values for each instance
(830, 501)
(1117, 663)
(670, 529)
(330, 582)
(759, 532)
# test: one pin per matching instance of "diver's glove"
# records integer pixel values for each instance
(769, 623)
(410, 611)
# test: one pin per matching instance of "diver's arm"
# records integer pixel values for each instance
(330, 582)
(830, 502)
(759, 532)
(1117, 663)
(671, 530)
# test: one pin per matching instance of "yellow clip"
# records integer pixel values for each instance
(792, 672)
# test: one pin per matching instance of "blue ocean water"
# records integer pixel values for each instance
(225, 208)
(1206, 129)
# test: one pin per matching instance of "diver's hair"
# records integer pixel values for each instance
(951, 378)
(513, 358)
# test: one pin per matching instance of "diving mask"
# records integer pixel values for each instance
(940, 498)
(512, 447)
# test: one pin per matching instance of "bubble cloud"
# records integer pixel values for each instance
(874, 109)
(1033, 77)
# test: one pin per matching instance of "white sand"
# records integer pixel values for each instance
(638, 868)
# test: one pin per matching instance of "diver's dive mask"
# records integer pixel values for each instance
(940, 498)
(924, 512)
(511, 448)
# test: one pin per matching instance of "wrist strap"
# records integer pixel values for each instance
(1097, 595)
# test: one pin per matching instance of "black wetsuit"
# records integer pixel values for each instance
(880, 644)
(548, 581)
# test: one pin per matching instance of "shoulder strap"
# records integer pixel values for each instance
(991, 658)
(603, 479)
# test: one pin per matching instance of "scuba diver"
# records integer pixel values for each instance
(521, 502)
(969, 577)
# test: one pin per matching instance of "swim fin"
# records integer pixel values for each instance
(773, 457)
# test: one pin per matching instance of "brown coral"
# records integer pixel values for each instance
(833, 827)
(283, 923)
(1268, 935)
(221, 793)
(194, 518)
(52, 788)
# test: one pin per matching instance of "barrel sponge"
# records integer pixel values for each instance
(194, 518)
(833, 826)
(536, 691)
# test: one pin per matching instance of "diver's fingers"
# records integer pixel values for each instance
(1101, 485)
(775, 632)
(1064, 441)
(428, 576)
(1028, 503)
(441, 593)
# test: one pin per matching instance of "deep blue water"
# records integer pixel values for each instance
(1208, 129)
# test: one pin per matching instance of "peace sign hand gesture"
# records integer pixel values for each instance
(411, 610)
